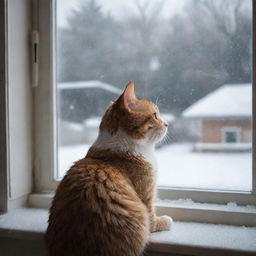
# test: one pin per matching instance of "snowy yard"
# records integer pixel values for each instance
(179, 167)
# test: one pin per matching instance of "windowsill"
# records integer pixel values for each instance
(187, 238)
(184, 210)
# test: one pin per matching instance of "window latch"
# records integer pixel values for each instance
(35, 44)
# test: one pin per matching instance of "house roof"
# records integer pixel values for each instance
(169, 118)
(88, 84)
(231, 100)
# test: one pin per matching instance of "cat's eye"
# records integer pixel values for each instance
(155, 115)
(135, 128)
(150, 127)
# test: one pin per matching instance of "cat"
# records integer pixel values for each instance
(104, 204)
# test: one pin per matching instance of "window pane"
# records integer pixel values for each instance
(231, 137)
(192, 57)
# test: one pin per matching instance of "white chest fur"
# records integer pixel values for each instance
(149, 156)
(121, 142)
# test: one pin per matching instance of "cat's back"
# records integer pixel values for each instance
(89, 181)
(93, 198)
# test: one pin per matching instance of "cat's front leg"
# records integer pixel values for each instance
(161, 223)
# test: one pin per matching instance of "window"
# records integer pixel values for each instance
(3, 112)
(95, 58)
(231, 135)
(193, 72)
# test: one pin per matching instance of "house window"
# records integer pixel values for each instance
(200, 76)
(231, 135)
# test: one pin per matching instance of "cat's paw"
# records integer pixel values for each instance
(168, 222)
(164, 223)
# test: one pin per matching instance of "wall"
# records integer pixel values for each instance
(19, 100)
(211, 129)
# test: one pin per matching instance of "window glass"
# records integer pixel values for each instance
(231, 137)
(192, 57)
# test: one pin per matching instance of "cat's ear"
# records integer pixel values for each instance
(128, 98)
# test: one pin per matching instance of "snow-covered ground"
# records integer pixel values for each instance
(180, 167)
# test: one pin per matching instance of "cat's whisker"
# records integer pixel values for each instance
(157, 100)
(165, 140)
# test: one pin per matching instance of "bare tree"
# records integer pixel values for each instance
(209, 45)
(144, 25)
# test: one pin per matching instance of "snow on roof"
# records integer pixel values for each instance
(88, 84)
(92, 121)
(231, 100)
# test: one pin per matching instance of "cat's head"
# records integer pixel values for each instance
(139, 118)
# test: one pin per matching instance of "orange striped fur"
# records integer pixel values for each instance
(104, 204)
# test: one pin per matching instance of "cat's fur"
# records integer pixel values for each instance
(104, 204)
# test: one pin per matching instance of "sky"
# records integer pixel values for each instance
(118, 8)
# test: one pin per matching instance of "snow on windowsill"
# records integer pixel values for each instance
(185, 237)
(189, 203)
(206, 239)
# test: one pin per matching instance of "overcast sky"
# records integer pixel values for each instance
(118, 8)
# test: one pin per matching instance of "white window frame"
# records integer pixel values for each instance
(45, 98)
(4, 147)
(45, 145)
(226, 129)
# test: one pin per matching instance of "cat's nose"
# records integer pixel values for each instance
(165, 124)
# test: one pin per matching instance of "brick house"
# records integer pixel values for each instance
(223, 119)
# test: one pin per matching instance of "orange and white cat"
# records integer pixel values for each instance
(104, 204)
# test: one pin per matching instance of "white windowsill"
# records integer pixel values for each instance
(183, 210)
(185, 237)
